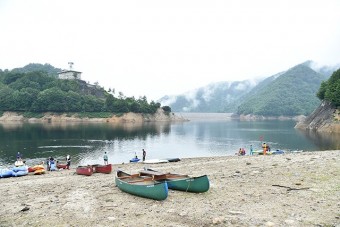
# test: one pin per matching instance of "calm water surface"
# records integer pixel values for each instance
(86, 143)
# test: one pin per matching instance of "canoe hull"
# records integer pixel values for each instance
(192, 184)
(102, 168)
(61, 166)
(84, 170)
(180, 182)
(146, 189)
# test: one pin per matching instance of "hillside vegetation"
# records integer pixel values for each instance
(291, 93)
(35, 88)
(330, 89)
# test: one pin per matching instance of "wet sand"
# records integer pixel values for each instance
(298, 189)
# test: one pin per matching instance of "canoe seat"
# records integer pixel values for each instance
(140, 180)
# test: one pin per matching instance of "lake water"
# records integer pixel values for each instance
(204, 135)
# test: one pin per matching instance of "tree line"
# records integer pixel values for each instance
(39, 91)
(330, 89)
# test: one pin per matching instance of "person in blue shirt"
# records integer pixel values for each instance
(106, 159)
(19, 156)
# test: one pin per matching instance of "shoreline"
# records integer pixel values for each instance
(242, 193)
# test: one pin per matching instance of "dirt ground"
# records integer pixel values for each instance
(298, 189)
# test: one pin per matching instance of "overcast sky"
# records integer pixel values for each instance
(158, 48)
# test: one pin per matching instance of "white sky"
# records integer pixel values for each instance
(158, 48)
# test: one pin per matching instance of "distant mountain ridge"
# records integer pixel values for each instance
(288, 93)
(292, 93)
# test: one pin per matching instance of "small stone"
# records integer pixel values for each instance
(269, 223)
(217, 220)
(183, 214)
(289, 221)
(235, 212)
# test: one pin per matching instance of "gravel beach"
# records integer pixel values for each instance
(297, 189)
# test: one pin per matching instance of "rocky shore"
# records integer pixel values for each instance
(49, 117)
(297, 189)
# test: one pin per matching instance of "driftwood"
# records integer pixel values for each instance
(289, 188)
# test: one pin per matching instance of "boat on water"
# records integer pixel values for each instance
(97, 168)
(84, 170)
(181, 182)
(141, 186)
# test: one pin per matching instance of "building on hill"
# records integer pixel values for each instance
(69, 74)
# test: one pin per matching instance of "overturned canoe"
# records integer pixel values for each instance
(180, 182)
(141, 186)
(102, 168)
(84, 170)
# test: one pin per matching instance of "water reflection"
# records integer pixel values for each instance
(87, 142)
(39, 141)
(323, 140)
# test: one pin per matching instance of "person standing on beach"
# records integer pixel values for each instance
(68, 161)
(106, 159)
(19, 156)
(144, 154)
(264, 146)
(251, 150)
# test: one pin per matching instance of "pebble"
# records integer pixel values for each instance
(289, 221)
(269, 223)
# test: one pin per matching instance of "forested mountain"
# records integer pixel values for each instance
(289, 93)
(35, 67)
(215, 97)
(36, 88)
(292, 93)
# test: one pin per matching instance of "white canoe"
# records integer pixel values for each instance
(153, 161)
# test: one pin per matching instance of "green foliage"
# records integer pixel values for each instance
(166, 109)
(330, 90)
(35, 89)
(292, 93)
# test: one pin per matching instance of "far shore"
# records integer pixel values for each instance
(295, 189)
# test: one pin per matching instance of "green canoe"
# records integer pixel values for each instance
(180, 181)
(141, 186)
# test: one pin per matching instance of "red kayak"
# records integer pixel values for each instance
(102, 168)
(84, 170)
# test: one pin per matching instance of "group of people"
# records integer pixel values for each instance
(265, 148)
(242, 151)
(51, 163)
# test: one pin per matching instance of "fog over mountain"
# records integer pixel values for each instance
(227, 96)
(215, 97)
